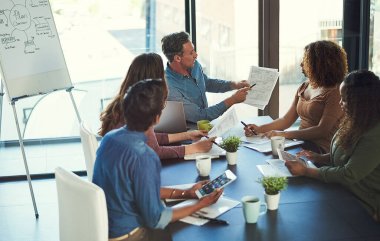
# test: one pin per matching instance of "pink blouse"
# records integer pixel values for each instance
(157, 142)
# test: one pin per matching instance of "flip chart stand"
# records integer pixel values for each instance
(21, 141)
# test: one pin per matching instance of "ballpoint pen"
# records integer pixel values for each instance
(252, 85)
(253, 131)
(213, 142)
(212, 220)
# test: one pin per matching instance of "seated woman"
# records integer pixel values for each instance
(129, 171)
(354, 160)
(316, 101)
(150, 66)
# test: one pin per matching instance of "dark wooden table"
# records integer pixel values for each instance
(308, 210)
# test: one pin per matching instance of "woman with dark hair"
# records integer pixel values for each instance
(316, 101)
(354, 158)
(150, 66)
(128, 170)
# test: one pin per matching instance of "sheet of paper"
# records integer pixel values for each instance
(267, 147)
(221, 206)
(224, 123)
(255, 139)
(215, 152)
(265, 80)
(275, 169)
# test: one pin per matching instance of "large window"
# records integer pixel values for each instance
(374, 37)
(302, 22)
(227, 43)
(99, 40)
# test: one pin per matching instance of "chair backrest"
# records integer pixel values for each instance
(82, 208)
(89, 145)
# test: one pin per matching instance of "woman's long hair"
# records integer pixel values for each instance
(325, 63)
(361, 90)
(144, 66)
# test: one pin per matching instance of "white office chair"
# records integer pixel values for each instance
(89, 145)
(82, 208)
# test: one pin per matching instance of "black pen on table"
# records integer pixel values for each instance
(213, 142)
(253, 131)
(212, 220)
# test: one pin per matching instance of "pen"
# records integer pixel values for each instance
(213, 142)
(254, 132)
(252, 85)
(212, 220)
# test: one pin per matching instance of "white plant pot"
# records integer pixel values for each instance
(231, 158)
(272, 201)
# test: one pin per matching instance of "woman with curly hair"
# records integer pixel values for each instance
(316, 101)
(354, 158)
(150, 66)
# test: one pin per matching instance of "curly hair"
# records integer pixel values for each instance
(325, 63)
(150, 92)
(144, 66)
(362, 111)
(172, 44)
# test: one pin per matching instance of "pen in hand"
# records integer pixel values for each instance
(252, 85)
(212, 220)
(245, 125)
(213, 142)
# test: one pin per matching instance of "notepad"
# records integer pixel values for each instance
(221, 206)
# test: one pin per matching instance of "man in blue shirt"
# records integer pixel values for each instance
(128, 170)
(188, 84)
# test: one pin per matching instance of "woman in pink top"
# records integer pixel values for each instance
(316, 101)
(150, 66)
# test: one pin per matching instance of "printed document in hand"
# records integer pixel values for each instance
(265, 80)
(214, 152)
(224, 123)
(221, 206)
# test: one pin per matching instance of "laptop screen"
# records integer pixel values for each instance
(172, 119)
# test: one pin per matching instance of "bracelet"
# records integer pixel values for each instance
(171, 194)
(183, 194)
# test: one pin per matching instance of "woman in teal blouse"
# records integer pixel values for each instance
(354, 158)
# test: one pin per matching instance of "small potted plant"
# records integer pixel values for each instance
(272, 187)
(231, 145)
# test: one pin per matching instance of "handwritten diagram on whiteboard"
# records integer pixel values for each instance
(29, 45)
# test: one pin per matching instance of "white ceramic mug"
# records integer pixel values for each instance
(203, 164)
(278, 142)
(251, 208)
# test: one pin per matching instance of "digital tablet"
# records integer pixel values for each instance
(284, 155)
(221, 181)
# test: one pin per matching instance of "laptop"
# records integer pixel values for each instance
(172, 118)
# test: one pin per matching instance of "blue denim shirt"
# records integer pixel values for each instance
(191, 90)
(129, 173)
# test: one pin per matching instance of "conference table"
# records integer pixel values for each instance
(309, 209)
